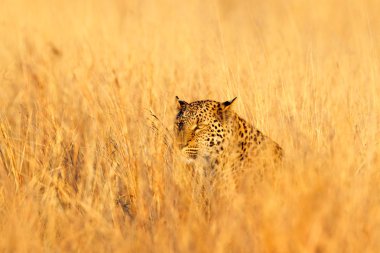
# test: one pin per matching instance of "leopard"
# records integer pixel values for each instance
(212, 135)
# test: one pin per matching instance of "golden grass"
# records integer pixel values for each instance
(76, 78)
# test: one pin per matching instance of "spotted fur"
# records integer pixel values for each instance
(211, 133)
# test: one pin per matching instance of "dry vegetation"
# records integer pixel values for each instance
(78, 171)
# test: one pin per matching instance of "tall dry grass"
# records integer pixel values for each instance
(79, 172)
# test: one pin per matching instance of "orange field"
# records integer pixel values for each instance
(79, 171)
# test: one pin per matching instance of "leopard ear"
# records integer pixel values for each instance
(227, 105)
(180, 103)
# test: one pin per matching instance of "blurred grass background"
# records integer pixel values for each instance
(76, 78)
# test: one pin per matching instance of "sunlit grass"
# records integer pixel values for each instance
(80, 172)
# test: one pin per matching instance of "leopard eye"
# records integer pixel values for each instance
(199, 127)
(195, 126)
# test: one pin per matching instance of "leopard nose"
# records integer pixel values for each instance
(181, 144)
(180, 137)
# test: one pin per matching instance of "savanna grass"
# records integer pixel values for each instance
(79, 170)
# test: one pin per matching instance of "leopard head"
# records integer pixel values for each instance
(200, 127)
